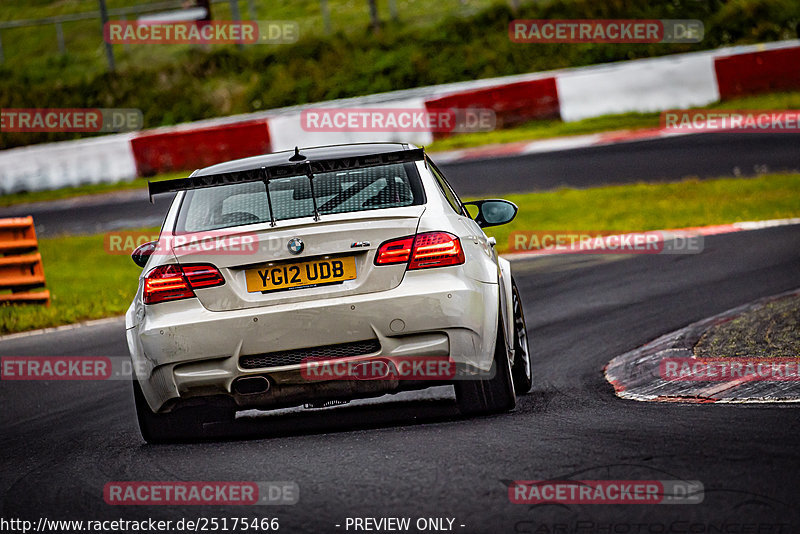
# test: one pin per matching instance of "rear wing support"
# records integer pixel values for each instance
(265, 174)
(310, 175)
(269, 198)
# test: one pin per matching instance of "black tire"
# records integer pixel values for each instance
(521, 371)
(182, 424)
(491, 395)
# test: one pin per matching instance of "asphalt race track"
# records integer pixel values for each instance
(657, 160)
(413, 456)
(665, 159)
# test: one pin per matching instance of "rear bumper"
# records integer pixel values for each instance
(181, 350)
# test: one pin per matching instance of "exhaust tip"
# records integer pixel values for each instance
(251, 385)
(377, 369)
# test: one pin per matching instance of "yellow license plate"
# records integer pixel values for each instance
(288, 275)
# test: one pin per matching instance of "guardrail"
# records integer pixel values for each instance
(21, 268)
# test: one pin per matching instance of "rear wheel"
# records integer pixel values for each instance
(521, 370)
(492, 395)
(181, 424)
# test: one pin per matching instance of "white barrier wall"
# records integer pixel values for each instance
(656, 84)
(54, 165)
(286, 130)
(639, 85)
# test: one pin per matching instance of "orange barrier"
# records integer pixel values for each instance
(20, 264)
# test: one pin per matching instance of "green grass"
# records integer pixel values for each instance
(37, 46)
(768, 331)
(83, 190)
(644, 206)
(69, 192)
(84, 282)
(433, 43)
(526, 132)
(544, 129)
(87, 283)
(534, 130)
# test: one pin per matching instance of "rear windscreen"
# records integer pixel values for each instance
(388, 186)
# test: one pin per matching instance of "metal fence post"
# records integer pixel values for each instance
(235, 15)
(326, 16)
(62, 48)
(109, 48)
(126, 45)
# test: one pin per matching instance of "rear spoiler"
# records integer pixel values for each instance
(301, 167)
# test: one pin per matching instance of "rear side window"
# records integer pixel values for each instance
(388, 186)
(448, 192)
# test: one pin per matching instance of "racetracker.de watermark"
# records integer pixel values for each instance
(434, 368)
(200, 493)
(70, 120)
(727, 369)
(44, 368)
(64, 368)
(606, 31)
(398, 120)
(714, 120)
(201, 32)
(606, 491)
(605, 242)
(212, 242)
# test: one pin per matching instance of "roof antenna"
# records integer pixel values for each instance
(297, 155)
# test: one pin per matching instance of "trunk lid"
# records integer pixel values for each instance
(351, 239)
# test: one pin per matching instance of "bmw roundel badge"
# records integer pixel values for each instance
(295, 245)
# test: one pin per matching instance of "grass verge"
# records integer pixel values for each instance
(431, 43)
(69, 192)
(84, 281)
(769, 331)
(87, 283)
(644, 206)
(82, 190)
(531, 131)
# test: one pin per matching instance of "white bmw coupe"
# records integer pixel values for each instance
(316, 276)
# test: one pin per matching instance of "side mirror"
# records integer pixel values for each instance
(143, 253)
(493, 212)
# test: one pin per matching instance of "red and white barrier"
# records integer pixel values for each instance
(512, 103)
(178, 149)
(671, 82)
(655, 84)
(287, 129)
(758, 72)
(106, 159)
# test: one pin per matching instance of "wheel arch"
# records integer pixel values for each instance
(506, 303)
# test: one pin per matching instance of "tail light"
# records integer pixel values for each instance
(422, 251)
(395, 251)
(175, 282)
(436, 249)
(200, 276)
